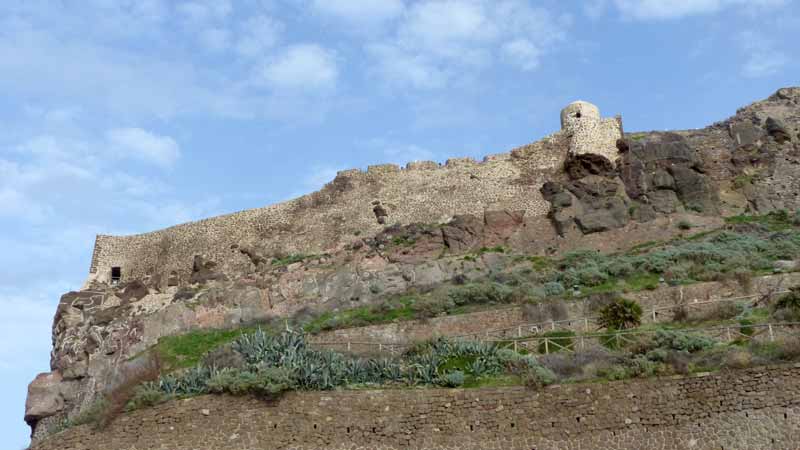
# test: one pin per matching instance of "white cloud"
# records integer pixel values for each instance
(302, 67)
(441, 40)
(136, 143)
(258, 35)
(16, 205)
(672, 9)
(762, 58)
(215, 39)
(199, 11)
(522, 53)
(364, 12)
(399, 67)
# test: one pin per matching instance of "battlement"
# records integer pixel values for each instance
(422, 191)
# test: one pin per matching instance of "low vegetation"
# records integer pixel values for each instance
(265, 360)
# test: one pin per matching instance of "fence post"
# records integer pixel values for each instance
(616, 338)
(583, 343)
(771, 334)
(519, 331)
(553, 325)
(546, 347)
(654, 315)
(728, 329)
(380, 346)
(515, 346)
(348, 346)
(585, 324)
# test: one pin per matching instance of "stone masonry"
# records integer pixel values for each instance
(749, 409)
(323, 221)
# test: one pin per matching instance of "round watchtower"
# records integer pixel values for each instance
(577, 113)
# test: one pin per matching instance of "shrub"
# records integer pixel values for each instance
(544, 311)
(620, 314)
(790, 301)
(554, 289)
(453, 379)
(678, 361)
(557, 341)
(738, 359)
(746, 327)
(681, 341)
(718, 311)
(684, 225)
(578, 364)
(224, 357)
(615, 372)
(484, 293)
(146, 395)
(537, 377)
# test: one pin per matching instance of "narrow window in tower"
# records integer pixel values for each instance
(116, 275)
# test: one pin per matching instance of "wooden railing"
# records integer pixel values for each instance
(526, 335)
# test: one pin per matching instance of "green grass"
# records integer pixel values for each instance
(743, 180)
(502, 380)
(186, 350)
(290, 259)
(540, 263)
(402, 309)
(644, 246)
(775, 221)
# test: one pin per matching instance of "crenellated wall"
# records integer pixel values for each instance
(752, 409)
(325, 220)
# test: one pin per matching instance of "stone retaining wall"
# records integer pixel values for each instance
(574, 311)
(749, 409)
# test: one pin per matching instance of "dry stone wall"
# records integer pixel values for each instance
(749, 409)
(699, 300)
(323, 221)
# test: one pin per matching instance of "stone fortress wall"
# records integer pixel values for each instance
(752, 409)
(349, 206)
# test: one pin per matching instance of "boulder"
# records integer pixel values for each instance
(777, 130)
(132, 291)
(44, 397)
(613, 214)
(745, 133)
(463, 233)
(578, 166)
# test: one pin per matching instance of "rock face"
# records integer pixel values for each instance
(607, 199)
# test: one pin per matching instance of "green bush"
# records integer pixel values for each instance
(681, 341)
(484, 293)
(536, 377)
(553, 289)
(453, 379)
(146, 395)
(790, 300)
(620, 314)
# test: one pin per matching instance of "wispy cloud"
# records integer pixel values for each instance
(673, 9)
(438, 41)
(142, 145)
(762, 58)
(302, 66)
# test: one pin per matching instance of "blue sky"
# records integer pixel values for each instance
(123, 116)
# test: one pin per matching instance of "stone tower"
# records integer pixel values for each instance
(589, 132)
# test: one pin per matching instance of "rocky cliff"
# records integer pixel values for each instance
(541, 199)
